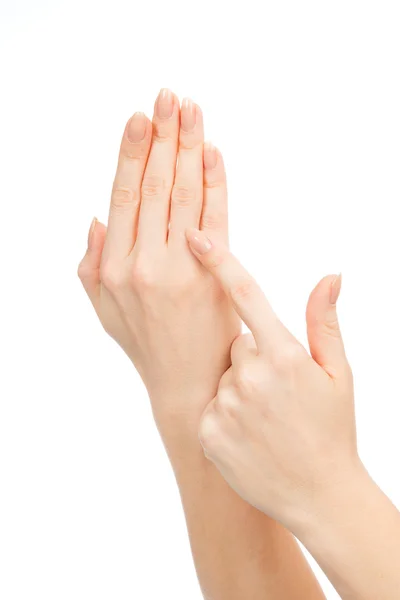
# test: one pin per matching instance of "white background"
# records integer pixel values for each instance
(303, 99)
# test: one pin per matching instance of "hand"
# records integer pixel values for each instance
(151, 295)
(281, 428)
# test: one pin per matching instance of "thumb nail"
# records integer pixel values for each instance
(91, 230)
(335, 288)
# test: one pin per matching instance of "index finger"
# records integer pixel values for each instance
(247, 297)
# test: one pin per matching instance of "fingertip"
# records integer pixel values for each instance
(190, 231)
(88, 268)
(91, 232)
(137, 127)
(191, 118)
(322, 292)
(319, 302)
(210, 156)
(198, 241)
(97, 235)
(214, 171)
(137, 137)
(199, 114)
(324, 336)
(166, 104)
(336, 286)
(188, 104)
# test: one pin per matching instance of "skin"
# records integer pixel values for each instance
(176, 324)
(281, 430)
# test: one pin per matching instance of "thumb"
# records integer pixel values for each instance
(89, 267)
(324, 337)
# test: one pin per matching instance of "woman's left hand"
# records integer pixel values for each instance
(151, 295)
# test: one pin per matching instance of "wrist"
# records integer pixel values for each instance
(353, 536)
(177, 416)
(331, 502)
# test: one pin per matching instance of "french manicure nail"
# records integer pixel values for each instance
(137, 128)
(91, 230)
(165, 104)
(210, 156)
(199, 241)
(188, 115)
(335, 288)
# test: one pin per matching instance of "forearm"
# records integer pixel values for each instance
(355, 538)
(238, 551)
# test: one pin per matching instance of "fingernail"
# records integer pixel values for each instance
(210, 156)
(188, 115)
(335, 288)
(91, 231)
(137, 127)
(199, 241)
(165, 104)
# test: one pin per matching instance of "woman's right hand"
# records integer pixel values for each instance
(281, 428)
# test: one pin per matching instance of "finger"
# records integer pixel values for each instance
(125, 196)
(325, 339)
(187, 192)
(89, 267)
(226, 379)
(244, 345)
(160, 172)
(248, 299)
(214, 218)
(243, 353)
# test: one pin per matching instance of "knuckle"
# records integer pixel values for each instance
(245, 380)
(162, 132)
(111, 276)
(209, 432)
(288, 356)
(133, 152)
(331, 328)
(237, 344)
(213, 220)
(242, 344)
(161, 137)
(142, 276)
(242, 289)
(153, 186)
(83, 270)
(214, 260)
(242, 376)
(183, 195)
(228, 403)
(189, 142)
(124, 197)
(214, 182)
